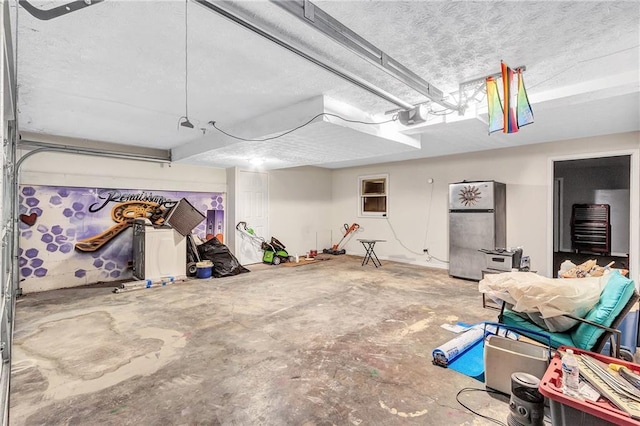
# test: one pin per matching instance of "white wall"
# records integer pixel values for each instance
(58, 169)
(58, 266)
(307, 201)
(618, 201)
(231, 209)
(300, 208)
(524, 169)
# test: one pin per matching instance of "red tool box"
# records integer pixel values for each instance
(569, 411)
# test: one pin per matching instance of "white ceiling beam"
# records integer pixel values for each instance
(282, 120)
(253, 128)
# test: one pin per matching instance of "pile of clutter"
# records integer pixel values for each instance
(590, 268)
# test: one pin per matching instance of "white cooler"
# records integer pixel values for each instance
(503, 357)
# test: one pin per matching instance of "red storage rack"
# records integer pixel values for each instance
(569, 411)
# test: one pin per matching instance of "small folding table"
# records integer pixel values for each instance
(369, 253)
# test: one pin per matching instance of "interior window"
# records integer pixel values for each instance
(374, 191)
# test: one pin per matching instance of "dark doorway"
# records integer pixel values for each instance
(590, 182)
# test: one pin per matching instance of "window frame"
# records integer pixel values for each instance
(362, 196)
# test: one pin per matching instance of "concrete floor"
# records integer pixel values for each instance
(330, 343)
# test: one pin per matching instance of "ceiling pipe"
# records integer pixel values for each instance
(320, 20)
(58, 11)
(352, 78)
(67, 149)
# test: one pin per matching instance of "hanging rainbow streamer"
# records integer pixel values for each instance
(523, 107)
(494, 106)
(510, 123)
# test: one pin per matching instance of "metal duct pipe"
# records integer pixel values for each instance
(320, 20)
(71, 149)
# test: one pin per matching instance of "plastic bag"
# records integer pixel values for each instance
(544, 300)
(225, 263)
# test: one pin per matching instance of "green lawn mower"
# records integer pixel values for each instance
(274, 250)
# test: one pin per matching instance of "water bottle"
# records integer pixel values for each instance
(570, 374)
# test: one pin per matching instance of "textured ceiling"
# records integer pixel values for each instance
(316, 144)
(114, 72)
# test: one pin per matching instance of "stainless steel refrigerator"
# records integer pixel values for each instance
(477, 220)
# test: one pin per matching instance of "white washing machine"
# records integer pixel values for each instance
(158, 252)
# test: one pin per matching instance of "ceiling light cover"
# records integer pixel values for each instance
(186, 123)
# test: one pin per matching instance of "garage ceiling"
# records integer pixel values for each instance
(115, 72)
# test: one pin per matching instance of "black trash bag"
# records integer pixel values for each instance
(225, 263)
